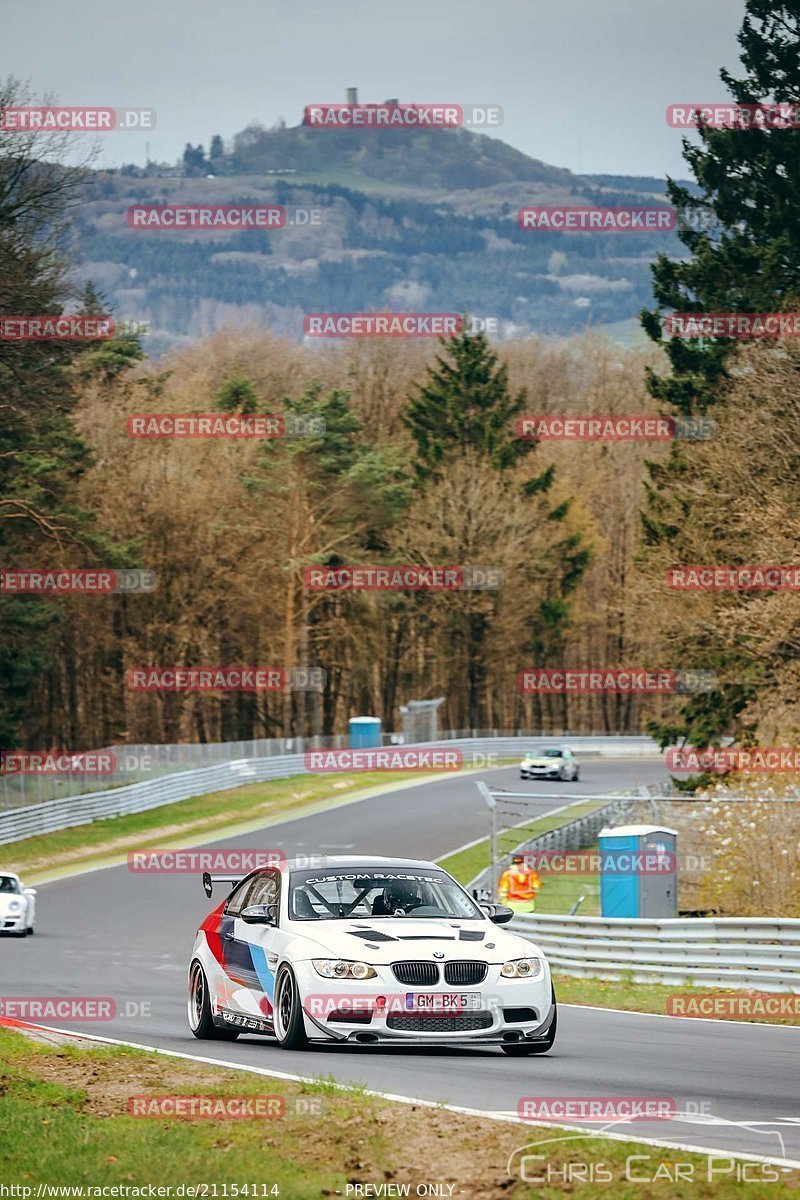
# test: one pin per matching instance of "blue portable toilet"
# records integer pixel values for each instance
(638, 871)
(365, 732)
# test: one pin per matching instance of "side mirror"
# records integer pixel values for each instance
(260, 914)
(29, 891)
(498, 914)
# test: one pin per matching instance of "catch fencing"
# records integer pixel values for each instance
(135, 763)
(66, 812)
(511, 812)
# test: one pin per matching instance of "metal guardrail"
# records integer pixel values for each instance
(32, 819)
(26, 822)
(138, 762)
(733, 952)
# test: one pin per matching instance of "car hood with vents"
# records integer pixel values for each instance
(390, 939)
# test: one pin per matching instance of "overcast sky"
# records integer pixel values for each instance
(583, 84)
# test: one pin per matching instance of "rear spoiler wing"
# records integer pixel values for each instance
(209, 880)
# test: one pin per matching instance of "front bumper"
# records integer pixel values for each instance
(511, 1010)
(540, 772)
(14, 922)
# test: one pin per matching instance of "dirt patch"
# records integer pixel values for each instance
(425, 1145)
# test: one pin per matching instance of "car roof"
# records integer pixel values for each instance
(13, 874)
(354, 862)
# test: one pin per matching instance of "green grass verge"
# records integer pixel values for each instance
(66, 1123)
(648, 997)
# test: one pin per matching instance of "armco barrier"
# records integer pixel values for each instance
(32, 819)
(759, 953)
(26, 822)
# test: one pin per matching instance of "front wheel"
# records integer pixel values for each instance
(201, 1021)
(523, 1049)
(290, 1027)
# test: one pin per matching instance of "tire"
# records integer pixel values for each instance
(523, 1049)
(577, 776)
(201, 1021)
(31, 931)
(288, 1015)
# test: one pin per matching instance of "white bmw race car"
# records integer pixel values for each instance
(366, 950)
(553, 763)
(17, 905)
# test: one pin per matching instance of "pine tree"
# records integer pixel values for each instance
(42, 455)
(463, 413)
(237, 395)
(741, 227)
(465, 403)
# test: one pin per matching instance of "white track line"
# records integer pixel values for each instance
(635, 1012)
(483, 1114)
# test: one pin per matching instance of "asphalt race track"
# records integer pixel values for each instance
(126, 936)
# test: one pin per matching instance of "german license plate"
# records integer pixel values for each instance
(444, 1002)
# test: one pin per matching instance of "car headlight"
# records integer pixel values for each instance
(522, 968)
(337, 968)
(14, 906)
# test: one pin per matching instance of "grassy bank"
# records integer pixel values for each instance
(66, 1121)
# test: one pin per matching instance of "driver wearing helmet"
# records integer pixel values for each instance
(398, 897)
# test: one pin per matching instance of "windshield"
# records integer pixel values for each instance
(8, 884)
(551, 754)
(379, 892)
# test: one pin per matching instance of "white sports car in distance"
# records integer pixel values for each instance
(17, 905)
(552, 763)
(366, 950)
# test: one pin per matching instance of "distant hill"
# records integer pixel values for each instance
(412, 220)
(447, 159)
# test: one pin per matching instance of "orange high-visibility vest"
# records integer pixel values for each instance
(519, 883)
